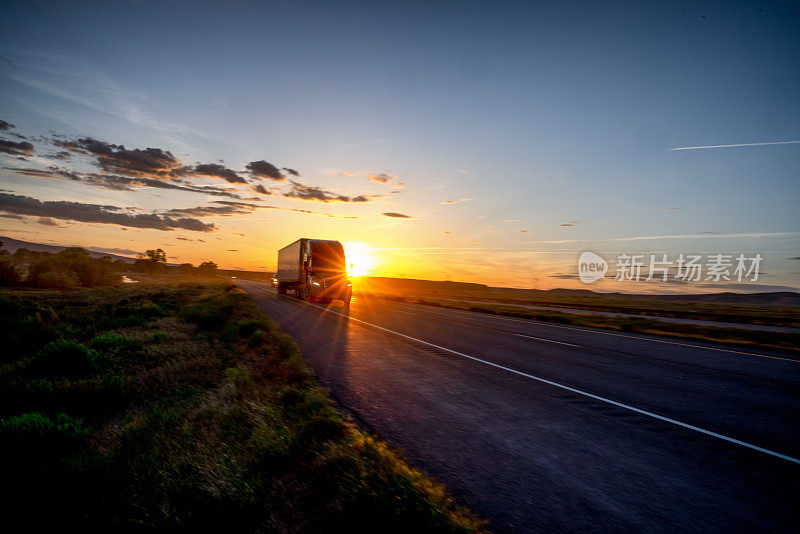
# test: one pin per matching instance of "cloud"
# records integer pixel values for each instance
(120, 183)
(456, 201)
(95, 213)
(381, 178)
(59, 155)
(309, 192)
(563, 276)
(291, 171)
(226, 209)
(126, 251)
(523, 231)
(47, 221)
(261, 189)
(795, 258)
(5, 126)
(396, 215)
(568, 224)
(263, 169)
(215, 170)
(150, 162)
(671, 209)
(16, 149)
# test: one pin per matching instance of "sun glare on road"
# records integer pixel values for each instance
(360, 259)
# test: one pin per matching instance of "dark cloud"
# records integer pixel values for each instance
(59, 155)
(96, 213)
(17, 149)
(568, 224)
(5, 126)
(795, 258)
(47, 221)
(563, 276)
(396, 215)
(381, 178)
(261, 189)
(126, 251)
(12, 216)
(150, 162)
(291, 171)
(309, 192)
(215, 170)
(226, 209)
(120, 183)
(263, 169)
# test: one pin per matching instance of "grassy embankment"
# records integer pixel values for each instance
(742, 308)
(438, 294)
(184, 407)
(740, 337)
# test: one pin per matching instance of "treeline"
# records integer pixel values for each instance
(71, 267)
(155, 262)
(75, 267)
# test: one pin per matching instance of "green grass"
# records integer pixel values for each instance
(644, 305)
(185, 408)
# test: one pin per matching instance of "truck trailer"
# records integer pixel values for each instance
(314, 270)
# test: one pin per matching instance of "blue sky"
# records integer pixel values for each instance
(554, 120)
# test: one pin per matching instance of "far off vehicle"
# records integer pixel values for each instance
(315, 270)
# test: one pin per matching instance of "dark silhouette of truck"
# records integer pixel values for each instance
(315, 270)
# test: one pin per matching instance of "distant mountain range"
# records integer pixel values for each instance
(12, 245)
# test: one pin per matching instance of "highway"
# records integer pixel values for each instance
(539, 426)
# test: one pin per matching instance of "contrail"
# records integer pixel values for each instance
(742, 144)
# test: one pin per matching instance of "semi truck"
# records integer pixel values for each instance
(314, 270)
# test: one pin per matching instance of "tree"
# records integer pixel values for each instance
(151, 262)
(207, 268)
(186, 269)
(156, 256)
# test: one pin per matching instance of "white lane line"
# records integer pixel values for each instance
(548, 340)
(574, 390)
(577, 329)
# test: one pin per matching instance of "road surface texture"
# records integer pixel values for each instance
(545, 427)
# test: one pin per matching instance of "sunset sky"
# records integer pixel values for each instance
(483, 142)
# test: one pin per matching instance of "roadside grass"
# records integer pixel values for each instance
(184, 407)
(644, 305)
(753, 339)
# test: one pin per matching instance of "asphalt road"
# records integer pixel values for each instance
(541, 427)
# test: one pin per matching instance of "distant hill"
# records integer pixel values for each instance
(12, 245)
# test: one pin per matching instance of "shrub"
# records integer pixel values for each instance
(64, 358)
(52, 279)
(137, 315)
(9, 276)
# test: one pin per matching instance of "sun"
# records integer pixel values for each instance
(360, 259)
